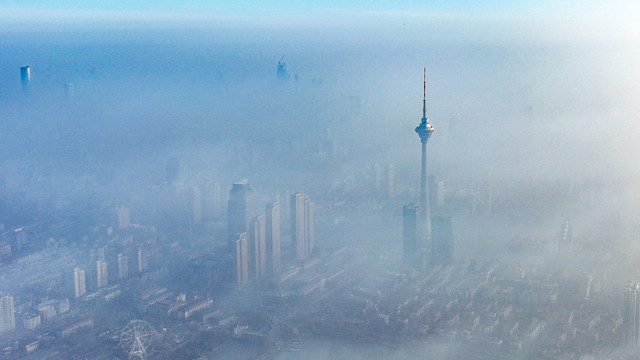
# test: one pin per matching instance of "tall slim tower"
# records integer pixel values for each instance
(424, 131)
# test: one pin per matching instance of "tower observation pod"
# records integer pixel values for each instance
(424, 131)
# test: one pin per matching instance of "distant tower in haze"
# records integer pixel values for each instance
(241, 259)
(123, 216)
(25, 75)
(68, 90)
(79, 283)
(102, 276)
(424, 131)
(566, 234)
(7, 313)
(281, 72)
(410, 216)
(632, 314)
(239, 210)
(258, 248)
(272, 229)
(123, 266)
(302, 225)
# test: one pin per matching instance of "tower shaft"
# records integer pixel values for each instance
(425, 218)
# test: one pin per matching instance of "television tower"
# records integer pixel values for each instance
(424, 131)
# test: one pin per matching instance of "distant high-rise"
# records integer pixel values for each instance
(442, 242)
(142, 264)
(272, 231)
(410, 217)
(25, 75)
(424, 131)
(566, 235)
(79, 283)
(240, 209)
(20, 240)
(241, 259)
(258, 248)
(102, 276)
(632, 313)
(302, 225)
(123, 266)
(7, 313)
(281, 72)
(68, 90)
(123, 216)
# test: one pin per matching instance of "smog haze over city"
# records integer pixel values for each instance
(187, 180)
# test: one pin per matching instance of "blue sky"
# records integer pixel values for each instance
(273, 6)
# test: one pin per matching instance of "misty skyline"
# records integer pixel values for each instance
(149, 108)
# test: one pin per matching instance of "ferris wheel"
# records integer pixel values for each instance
(136, 338)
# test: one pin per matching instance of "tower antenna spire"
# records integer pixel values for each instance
(424, 96)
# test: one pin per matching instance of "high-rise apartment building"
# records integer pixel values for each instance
(272, 232)
(7, 313)
(79, 283)
(241, 259)
(123, 266)
(258, 248)
(102, 276)
(302, 225)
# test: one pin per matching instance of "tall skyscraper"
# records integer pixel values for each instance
(7, 313)
(241, 259)
(424, 131)
(410, 216)
(272, 232)
(25, 75)
(258, 248)
(79, 283)
(102, 276)
(240, 210)
(632, 314)
(302, 225)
